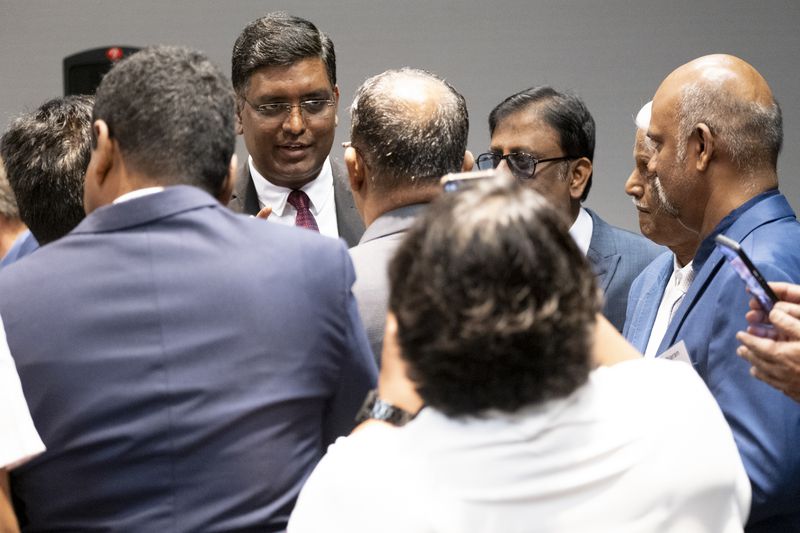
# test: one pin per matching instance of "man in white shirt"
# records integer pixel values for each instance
(666, 280)
(19, 441)
(546, 139)
(284, 75)
(492, 310)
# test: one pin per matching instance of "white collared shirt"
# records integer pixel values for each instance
(138, 193)
(581, 230)
(319, 191)
(677, 287)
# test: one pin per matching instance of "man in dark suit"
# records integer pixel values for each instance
(284, 75)
(180, 377)
(408, 128)
(717, 132)
(546, 138)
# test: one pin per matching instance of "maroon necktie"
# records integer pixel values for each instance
(299, 200)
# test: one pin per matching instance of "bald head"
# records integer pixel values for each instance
(729, 96)
(410, 126)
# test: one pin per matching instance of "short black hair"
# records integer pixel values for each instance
(278, 39)
(565, 112)
(172, 112)
(46, 153)
(495, 303)
(405, 146)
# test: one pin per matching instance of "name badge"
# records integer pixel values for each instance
(677, 352)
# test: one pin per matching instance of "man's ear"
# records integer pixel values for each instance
(469, 162)
(226, 190)
(100, 164)
(356, 169)
(704, 147)
(336, 105)
(239, 107)
(579, 177)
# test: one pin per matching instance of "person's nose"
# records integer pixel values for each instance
(295, 122)
(634, 185)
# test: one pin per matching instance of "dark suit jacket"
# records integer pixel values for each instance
(180, 377)
(617, 257)
(765, 423)
(351, 227)
(371, 261)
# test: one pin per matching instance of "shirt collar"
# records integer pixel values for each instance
(683, 275)
(581, 230)
(707, 246)
(138, 193)
(319, 190)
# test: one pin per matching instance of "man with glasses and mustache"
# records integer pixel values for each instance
(656, 294)
(545, 138)
(284, 76)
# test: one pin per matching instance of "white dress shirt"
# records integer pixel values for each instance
(581, 230)
(642, 447)
(19, 440)
(319, 191)
(677, 287)
(137, 193)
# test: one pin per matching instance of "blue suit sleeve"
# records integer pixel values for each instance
(357, 371)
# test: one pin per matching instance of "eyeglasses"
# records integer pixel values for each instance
(522, 165)
(314, 109)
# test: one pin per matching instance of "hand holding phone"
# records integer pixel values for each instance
(747, 271)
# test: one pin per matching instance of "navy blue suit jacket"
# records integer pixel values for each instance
(765, 423)
(644, 298)
(185, 366)
(617, 256)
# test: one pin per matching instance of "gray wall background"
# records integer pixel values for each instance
(613, 53)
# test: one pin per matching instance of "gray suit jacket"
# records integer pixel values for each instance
(617, 256)
(245, 200)
(371, 259)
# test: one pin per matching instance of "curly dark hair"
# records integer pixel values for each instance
(494, 301)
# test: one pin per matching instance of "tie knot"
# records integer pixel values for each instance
(299, 200)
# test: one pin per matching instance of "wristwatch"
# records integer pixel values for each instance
(377, 409)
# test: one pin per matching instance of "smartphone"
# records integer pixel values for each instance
(755, 282)
(457, 181)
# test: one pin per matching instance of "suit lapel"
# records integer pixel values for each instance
(764, 212)
(244, 198)
(348, 221)
(602, 253)
(644, 317)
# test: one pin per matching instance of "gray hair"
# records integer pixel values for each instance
(751, 134)
(46, 153)
(8, 203)
(402, 144)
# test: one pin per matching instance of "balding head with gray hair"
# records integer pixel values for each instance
(410, 126)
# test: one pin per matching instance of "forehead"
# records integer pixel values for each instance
(301, 78)
(526, 131)
(642, 147)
